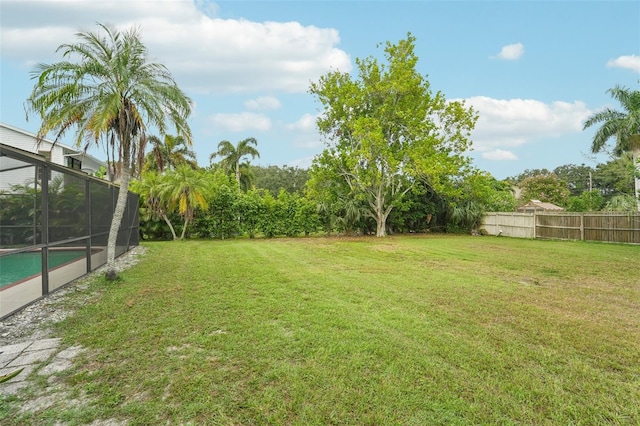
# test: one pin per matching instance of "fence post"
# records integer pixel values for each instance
(87, 212)
(581, 226)
(44, 227)
(535, 223)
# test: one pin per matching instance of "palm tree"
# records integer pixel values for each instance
(350, 212)
(170, 153)
(185, 190)
(247, 176)
(233, 155)
(621, 203)
(623, 125)
(111, 92)
(150, 189)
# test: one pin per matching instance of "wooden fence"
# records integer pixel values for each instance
(609, 227)
(520, 225)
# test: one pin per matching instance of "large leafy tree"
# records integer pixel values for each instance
(109, 90)
(515, 180)
(232, 156)
(168, 153)
(623, 125)
(615, 177)
(579, 178)
(546, 188)
(386, 129)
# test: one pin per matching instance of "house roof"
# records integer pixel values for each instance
(539, 205)
(89, 162)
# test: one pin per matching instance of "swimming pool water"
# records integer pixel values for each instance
(22, 265)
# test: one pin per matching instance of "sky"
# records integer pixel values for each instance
(533, 70)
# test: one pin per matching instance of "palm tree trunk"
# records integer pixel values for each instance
(168, 222)
(238, 173)
(184, 228)
(118, 213)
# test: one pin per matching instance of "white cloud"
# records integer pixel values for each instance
(508, 123)
(306, 123)
(306, 132)
(499, 155)
(511, 52)
(631, 62)
(240, 122)
(308, 143)
(205, 53)
(263, 103)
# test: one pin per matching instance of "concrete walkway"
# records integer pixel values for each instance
(43, 356)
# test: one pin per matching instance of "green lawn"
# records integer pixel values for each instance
(404, 330)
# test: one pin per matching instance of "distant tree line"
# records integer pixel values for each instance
(187, 202)
(285, 201)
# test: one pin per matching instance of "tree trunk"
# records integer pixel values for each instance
(184, 228)
(381, 229)
(381, 215)
(121, 204)
(168, 222)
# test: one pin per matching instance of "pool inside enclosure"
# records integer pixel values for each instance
(28, 264)
(54, 225)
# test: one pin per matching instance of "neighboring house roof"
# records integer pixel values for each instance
(537, 205)
(27, 141)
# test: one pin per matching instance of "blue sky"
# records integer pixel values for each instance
(534, 70)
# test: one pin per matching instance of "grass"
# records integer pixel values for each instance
(403, 330)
